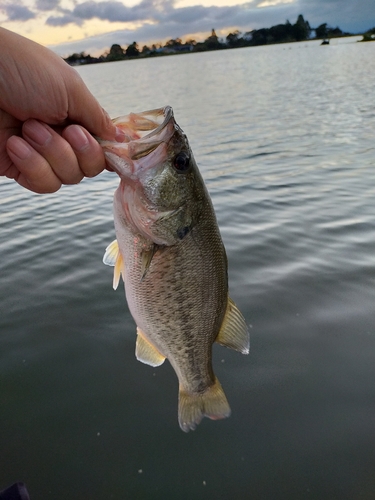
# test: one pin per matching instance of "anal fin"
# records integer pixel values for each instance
(234, 332)
(146, 352)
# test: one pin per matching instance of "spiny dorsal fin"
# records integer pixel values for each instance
(113, 257)
(147, 256)
(233, 332)
(146, 352)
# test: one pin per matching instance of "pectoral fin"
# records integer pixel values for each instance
(113, 257)
(233, 332)
(147, 256)
(146, 352)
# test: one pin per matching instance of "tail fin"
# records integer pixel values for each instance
(193, 407)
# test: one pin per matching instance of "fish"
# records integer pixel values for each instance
(170, 255)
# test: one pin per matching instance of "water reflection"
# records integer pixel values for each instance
(284, 140)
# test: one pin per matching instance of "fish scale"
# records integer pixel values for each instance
(171, 256)
(173, 273)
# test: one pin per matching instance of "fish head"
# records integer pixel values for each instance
(161, 193)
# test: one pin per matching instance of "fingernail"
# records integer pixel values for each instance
(77, 138)
(19, 147)
(37, 132)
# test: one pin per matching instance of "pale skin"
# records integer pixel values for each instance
(48, 119)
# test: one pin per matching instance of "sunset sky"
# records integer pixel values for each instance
(69, 26)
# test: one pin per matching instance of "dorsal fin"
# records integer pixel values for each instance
(234, 332)
(113, 257)
(147, 352)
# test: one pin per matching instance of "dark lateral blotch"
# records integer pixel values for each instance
(182, 232)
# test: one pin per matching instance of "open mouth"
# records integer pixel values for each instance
(144, 134)
(144, 125)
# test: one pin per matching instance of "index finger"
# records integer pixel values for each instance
(86, 110)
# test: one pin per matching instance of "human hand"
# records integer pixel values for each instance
(46, 114)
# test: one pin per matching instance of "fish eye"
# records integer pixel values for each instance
(182, 162)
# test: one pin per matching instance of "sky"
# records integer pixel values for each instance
(92, 26)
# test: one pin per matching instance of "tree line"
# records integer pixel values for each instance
(281, 33)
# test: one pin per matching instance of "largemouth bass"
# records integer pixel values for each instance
(171, 257)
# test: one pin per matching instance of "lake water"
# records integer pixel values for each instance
(284, 137)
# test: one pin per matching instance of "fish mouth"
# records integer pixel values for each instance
(144, 125)
(146, 136)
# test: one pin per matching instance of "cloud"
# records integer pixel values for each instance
(108, 11)
(166, 23)
(188, 15)
(158, 20)
(158, 16)
(113, 11)
(45, 5)
(16, 12)
(63, 20)
(353, 17)
(271, 3)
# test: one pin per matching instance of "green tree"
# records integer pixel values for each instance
(301, 29)
(212, 42)
(321, 31)
(282, 33)
(332, 32)
(260, 37)
(116, 49)
(234, 39)
(116, 53)
(75, 58)
(132, 50)
(174, 43)
(191, 41)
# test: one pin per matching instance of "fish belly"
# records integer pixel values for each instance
(180, 302)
